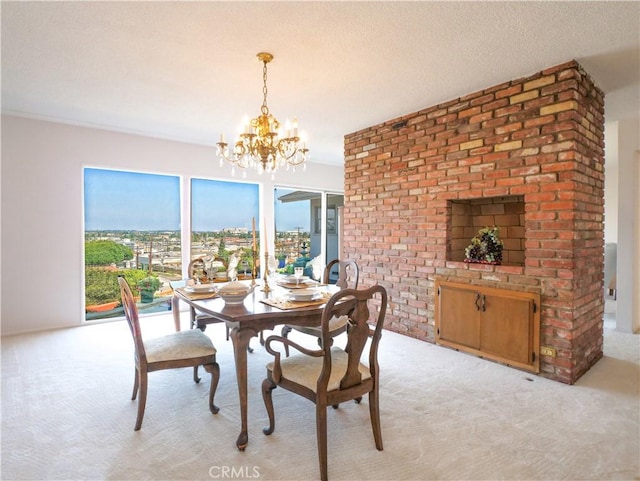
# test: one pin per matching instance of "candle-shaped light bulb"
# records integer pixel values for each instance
(295, 127)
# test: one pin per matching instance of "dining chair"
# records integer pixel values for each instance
(197, 270)
(330, 375)
(200, 319)
(180, 349)
(347, 278)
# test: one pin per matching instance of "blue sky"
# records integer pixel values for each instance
(291, 215)
(218, 204)
(117, 200)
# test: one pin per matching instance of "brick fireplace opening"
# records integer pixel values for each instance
(526, 155)
(467, 217)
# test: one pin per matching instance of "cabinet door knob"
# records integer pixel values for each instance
(477, 302)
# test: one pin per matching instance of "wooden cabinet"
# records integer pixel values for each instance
(499, 324)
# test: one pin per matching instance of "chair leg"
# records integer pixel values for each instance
(374, 413)
(142, 400)
(267, 387)
(196, 379)
(136, 385)
(192, 321)
(285, 333)
(321, 435)
(214, 370)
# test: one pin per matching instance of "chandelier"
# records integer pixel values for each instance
(262, 143)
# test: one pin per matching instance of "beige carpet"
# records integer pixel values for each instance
(66, 414)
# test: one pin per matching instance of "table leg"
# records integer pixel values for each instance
(175, 309)
(240, 339)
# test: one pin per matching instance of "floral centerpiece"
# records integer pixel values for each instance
(485, 247)
(147, 287)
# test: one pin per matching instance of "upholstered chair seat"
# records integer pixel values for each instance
(305, 370)
(336, 324)
(179, 345)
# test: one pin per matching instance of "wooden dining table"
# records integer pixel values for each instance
(247, 320)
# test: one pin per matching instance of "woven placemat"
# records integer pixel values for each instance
(286, 304)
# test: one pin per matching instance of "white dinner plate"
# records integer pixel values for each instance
(294, 279)
(201, 288)
(304, 294)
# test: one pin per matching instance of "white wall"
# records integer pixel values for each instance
(628, 256)
(42, 213)
(611, 183)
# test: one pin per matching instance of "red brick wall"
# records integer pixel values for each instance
(539, 137)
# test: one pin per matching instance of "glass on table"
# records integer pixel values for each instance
(297, 272)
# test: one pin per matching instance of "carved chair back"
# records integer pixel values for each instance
(131, 314)
(366, 311)
(197, 270)
(348, 273)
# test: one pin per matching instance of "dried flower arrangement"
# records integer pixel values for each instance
(485, 247)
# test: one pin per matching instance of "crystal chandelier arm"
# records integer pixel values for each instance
(287, 149)
(237, 158)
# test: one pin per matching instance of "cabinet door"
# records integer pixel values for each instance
(499, 324)
(507, 327)
(458, 307)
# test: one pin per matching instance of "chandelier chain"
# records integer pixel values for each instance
(265, 108)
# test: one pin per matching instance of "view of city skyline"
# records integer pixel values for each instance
(142, 212)
(119, 200)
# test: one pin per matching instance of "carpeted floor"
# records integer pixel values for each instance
(67, 414)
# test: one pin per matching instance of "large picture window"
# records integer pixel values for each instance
(222, 215)
(132, 228)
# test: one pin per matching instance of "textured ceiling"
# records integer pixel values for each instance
(188, 71)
